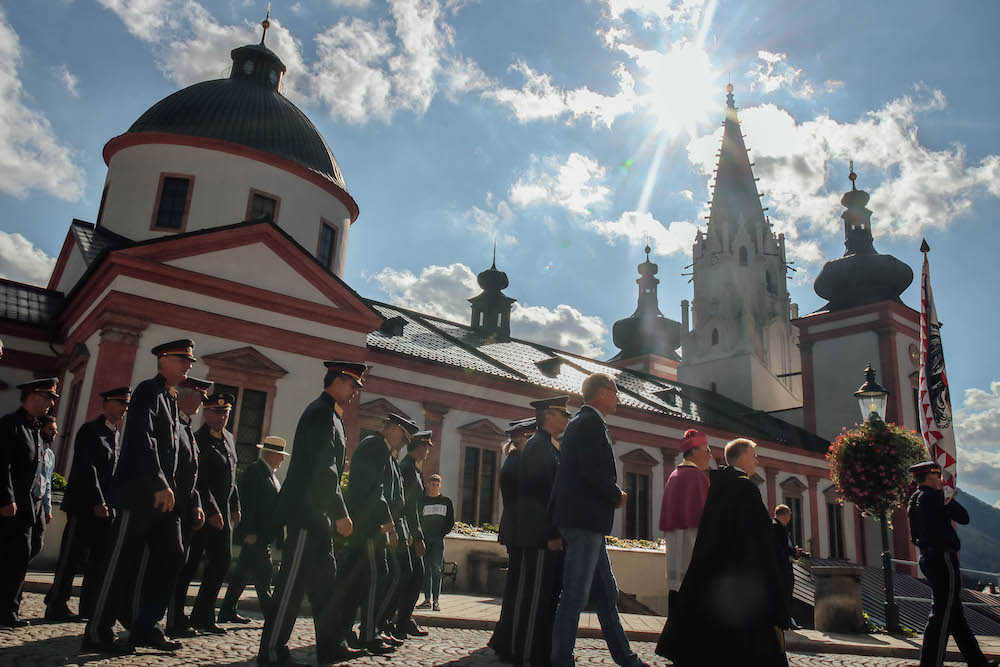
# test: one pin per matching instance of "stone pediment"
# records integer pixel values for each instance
(380, 408)
(639, 457)
(792, 486)
(482, 428)
(245, 359)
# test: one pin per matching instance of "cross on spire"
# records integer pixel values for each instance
(266, 23)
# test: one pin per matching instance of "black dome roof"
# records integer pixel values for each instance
(243, 112)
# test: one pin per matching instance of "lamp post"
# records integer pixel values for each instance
(872, 399)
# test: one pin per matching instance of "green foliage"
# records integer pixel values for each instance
(490, 528)
(873, 628)
(870, 464)
(623, 543)
(58, 482)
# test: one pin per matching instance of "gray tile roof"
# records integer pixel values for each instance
(453, 344)
(94, 241)
(27, 304)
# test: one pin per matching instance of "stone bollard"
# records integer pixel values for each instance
(838, 599)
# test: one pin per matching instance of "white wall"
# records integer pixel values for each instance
(73, 270)
(219, 196)
(838, 371)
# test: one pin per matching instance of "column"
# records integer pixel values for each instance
(772, 488)
(120, 334)
(669, 456)
(434, 421)
(814, 515)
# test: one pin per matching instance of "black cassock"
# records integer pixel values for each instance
(730, 608)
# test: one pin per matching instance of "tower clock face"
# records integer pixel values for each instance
(914, 354)
(248, 67)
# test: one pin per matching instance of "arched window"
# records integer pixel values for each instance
(743, 255)
(715, 336)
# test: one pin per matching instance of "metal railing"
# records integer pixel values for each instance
(993, 575)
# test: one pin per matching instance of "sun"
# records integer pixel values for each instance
(682, 88)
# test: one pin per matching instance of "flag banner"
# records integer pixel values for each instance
(935, 400)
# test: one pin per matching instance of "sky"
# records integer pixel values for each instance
(570, 133)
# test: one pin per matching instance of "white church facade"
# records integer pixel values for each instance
(226, 219)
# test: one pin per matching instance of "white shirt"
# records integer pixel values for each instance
(274, 476)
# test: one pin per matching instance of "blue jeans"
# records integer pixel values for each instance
(433, 562)
(587, 575)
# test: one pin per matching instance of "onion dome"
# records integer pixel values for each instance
(647, 331)
(862, 276)
(491, 307)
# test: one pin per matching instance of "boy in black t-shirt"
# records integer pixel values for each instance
(437, 518)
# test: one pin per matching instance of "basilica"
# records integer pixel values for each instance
(225, 218)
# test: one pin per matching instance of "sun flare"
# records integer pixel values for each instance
(683, 88)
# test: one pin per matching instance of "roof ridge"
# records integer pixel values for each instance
(15, 283)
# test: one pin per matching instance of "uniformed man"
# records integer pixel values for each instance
(192, 393)
(143, 490)
(413, 495)
(259, 489)
(312, 507)
(87, 507)
(41, 489)
(221, 502)
(20, 459)
(502, 640)
(375, 529)
(542, 546)
(931, 516)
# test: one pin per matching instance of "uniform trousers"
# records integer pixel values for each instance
(364, 565)
(399, 570)
(947, 616)
(16, 537)
(541, 581)
(144, 557)
(38, 533)
(175, 608)
(253, 564)
(85, 539)
(408, 590)
(308, 567)
(502, 640)
(217, 547)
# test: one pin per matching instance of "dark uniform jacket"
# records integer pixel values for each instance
(20, 449)
(784, 550)
(258, 497)
(508, 493)
(95, 452)
(536, 477)
(586, 491)
(413, 493)
(392, 488)
(188, 497)
(366, 493)
(148, 459)
(217, 472)
(930, 520)
(311, 495)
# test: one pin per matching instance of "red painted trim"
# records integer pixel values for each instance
(880, 307)
(29, 361)
(203, 322)
(808, 386)
(772, 488)
(153, 227)
(64, 252)
(434, 421)
(865, 327)
(142, 138)
(889, 371)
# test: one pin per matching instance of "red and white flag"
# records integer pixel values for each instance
(935, 399)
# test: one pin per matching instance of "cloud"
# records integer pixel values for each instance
(349, 80)
(31, 156)
(977, 426)
(639, 228)
(664, 11)
(351, 4)
(687, 194)
(573, 184)
(67, 79)
(23, 262)
(444, 291)
(772, 72)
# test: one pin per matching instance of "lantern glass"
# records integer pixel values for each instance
(874, 403)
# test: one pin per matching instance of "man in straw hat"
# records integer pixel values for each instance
(312, 507)
(259, 488)
(20, 457)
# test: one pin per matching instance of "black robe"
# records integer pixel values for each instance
(730, 607)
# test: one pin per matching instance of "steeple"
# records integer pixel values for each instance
(491, 308)
(256, 62)
(647, 331)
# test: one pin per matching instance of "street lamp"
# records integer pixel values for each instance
(872, 398)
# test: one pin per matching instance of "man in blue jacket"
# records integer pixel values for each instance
(584, 499)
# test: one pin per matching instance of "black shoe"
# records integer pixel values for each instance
(352, 640)
(14, 623)
(340, 653)
(285, 663)
(114, 647)
(60, 614)
(376, 647)
(157, 641)
(391, 640)
(414, 630)
(209, 628)
(233, 617)
(182, 632)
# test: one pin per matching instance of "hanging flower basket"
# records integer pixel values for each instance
(870, 465)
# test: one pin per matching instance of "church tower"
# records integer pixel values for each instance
(742, 343)
(491, 307)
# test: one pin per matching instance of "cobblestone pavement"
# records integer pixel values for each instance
(58, 644)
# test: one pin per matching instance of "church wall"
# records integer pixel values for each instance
(839, 365)
(220, 193)
(19, 365)
(10, 398)
(732, 376)
(69, 424)
(908, 378)
(769, 392)
(73, 270)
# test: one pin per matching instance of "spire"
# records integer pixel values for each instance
(647, 331)
(491, 308)
(735, 201)
(857, 220)
(266, 23)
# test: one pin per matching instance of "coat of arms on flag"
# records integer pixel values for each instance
(935, 400)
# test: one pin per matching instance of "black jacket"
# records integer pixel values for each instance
(258, 499)
(413, 493)
(784, 550)
(931, 517)
(217, 472)
(508, 533)
(148, 459)
(392, 488)
(20, 449)
(586, 491)
(188, 498)
(95, 452)
(537, 475)
(310, 495)
(366, 493)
